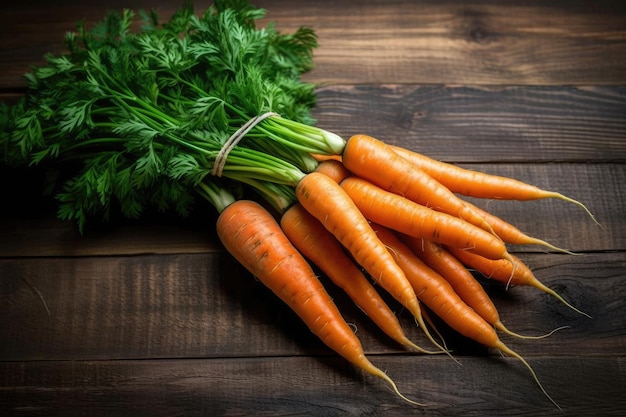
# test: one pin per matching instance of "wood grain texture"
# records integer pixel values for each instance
(153, 318)
(197, 305)
(402, 41)
(311, 386)
(484, 124)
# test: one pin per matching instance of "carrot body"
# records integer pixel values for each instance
(321, 158)
(321, 196)
(405, 216)
(308, 235)
(515, 273)
(459, 277)
(255, 239)
(479, 184)
(462, 281)
(473, 183)
(377, 162)
(326, 201)
(511, 234)
(333, 169)
(434, 291)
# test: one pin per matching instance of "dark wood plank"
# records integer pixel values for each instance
(311, 386)
(600, 186)
(530, 43)
(483, 124)
(153, 318)
(402, 41)
(184, 306)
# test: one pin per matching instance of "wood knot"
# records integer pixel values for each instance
(475, 28)
(478, 34)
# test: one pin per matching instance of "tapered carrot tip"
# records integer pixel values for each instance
(418, 349)
(578, 203)
(507, 256)
(542, 287)
(508, 351)
(379, 373)
(501, 327)
(419, 320)
(535, 241)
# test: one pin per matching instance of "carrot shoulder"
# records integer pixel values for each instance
(255, 239)
(333, 169)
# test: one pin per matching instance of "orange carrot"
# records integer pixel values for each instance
(378, 163)
(316, 243)
(321, 196)
(461, 280)
(511, 234)
(405, 216)
(434, 291)
(333, 169)
(517, 273)
(479, 184)
(322, 157)
(255, 239)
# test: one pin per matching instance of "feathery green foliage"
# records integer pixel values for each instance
(141, 115)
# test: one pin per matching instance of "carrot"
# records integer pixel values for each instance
(333, 169)
(255, 239)
(482, 185)
(517, 274)
(457, 275)
(321, 196)
(462, 281)
(316, 243)
(511, 234)
(405, 216)
(321, 157)
(434, 291)
(377, 162)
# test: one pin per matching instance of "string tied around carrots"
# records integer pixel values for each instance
(233, 140)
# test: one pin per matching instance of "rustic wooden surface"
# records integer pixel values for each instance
(152, 318)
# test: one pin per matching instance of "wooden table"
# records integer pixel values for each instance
(153, 318)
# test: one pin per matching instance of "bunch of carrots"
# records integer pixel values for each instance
(392, 216)
(206, 106)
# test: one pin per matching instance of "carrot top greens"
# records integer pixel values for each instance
(141, 114)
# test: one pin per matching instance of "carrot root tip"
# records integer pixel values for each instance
(561, 299)
(420, 323)
(578, 203)
(551, 246)
(393, 385)
(508, 351)
(500, 326)
(510, 258)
